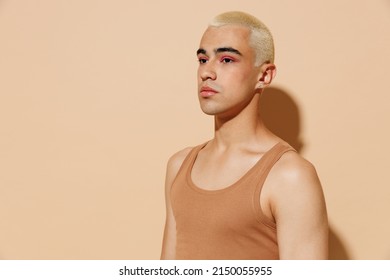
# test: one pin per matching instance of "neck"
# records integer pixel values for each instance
(244, 129)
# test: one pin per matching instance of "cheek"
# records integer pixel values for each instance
(241, 72)
(242, 79)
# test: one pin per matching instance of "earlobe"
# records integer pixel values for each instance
(260, 85)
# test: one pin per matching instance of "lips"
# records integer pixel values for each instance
(207, 91)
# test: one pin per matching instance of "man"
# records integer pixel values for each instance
(245, 194)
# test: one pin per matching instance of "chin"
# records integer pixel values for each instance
(214, 112)
(209, 110)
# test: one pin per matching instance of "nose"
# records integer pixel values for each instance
(207, 71)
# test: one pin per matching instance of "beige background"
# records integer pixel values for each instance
(96, 95)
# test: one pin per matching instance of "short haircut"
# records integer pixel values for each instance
(261, 38)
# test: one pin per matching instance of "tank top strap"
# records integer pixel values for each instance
(188, 161)
(193, 154)
(271, 157)
(267, 162)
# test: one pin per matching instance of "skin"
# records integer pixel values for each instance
(229, 88)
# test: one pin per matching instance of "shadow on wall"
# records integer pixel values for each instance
(281, 115)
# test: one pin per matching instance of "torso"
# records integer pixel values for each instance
(218, 170)
(224, 209)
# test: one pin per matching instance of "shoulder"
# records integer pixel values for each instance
(295, 184)
(294, 169)
(175, 162)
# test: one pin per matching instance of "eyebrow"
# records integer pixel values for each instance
(219, 50)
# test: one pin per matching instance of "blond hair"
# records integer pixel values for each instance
(261, 38)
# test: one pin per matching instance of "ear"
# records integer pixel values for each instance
(267, 74)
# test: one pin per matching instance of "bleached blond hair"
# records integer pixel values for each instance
(261, 38)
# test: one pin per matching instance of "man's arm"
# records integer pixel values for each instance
(298, 206)
(169, 240)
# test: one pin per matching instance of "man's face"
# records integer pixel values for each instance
(227, 75)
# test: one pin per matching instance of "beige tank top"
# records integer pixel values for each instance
(226, 223)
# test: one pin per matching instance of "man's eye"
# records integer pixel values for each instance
(227, 60)
(202, 60)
